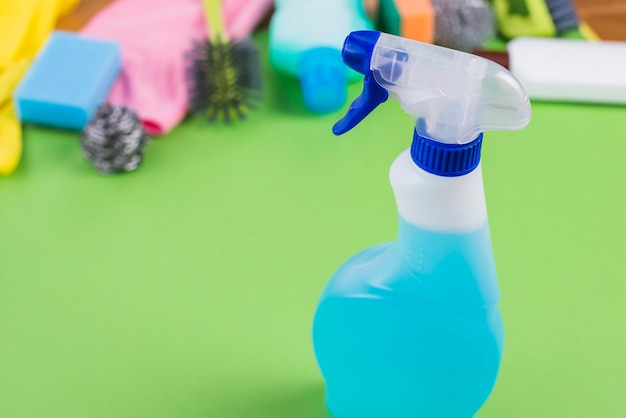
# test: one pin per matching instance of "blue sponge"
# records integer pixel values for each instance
(70, 77)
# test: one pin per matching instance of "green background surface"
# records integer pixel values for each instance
(187, 288)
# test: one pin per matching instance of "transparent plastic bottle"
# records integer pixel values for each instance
(412, 328)
(305, 39)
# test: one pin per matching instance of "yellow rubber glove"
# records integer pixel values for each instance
(10, 132)
(24, 26)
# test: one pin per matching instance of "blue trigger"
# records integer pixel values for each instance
(373, 94)
(357, 54)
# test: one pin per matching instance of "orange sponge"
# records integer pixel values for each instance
(413, 19)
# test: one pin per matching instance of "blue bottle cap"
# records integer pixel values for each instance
(446, 160)
(323, 79)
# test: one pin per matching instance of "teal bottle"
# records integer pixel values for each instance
(412, 328)
(305, 40)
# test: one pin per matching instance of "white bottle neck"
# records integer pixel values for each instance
(436, 203)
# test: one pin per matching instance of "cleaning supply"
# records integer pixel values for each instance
(69, 79)
(114, 140)
(10, 132)
(540, 18)
(463, 25)
(224, 76)
(564, 16)
(412, 19)
(305, 39)
(523, 18)
(412, 328)
(570, 70)
(153, 81)
(243, 16)
(24, 26)
(456, 24)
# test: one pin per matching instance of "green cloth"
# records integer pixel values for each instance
(187, 288)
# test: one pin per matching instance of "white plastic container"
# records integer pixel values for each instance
(570, 70)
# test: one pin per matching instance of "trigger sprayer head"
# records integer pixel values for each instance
(452, 96)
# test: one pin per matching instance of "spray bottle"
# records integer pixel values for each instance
(305, 38)
(412, 328)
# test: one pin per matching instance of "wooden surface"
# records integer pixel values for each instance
(81, 15)
(606, 17)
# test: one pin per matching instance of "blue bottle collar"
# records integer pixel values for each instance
(447, 160)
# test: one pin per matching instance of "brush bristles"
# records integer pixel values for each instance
(563, 14)
(224, 79)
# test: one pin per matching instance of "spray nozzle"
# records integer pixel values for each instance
(451, 95)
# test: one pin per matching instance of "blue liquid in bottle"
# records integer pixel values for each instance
(412, 328)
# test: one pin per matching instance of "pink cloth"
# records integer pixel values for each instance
(154, 36)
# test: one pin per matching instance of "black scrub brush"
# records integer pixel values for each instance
(114, 139)
(224, 77)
